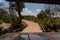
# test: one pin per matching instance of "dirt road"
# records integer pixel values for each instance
(32, 27)
(5, 25)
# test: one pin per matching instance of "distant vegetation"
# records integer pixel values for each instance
(30, 18)
(49, 19)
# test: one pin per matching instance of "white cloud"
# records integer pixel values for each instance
(26, 11)
(38, 10)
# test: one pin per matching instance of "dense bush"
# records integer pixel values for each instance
(50, 24)
(16, 27)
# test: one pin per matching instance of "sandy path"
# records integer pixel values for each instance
(32, 27)
(5, 25)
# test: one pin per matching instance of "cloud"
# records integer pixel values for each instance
(38, 10)
(26, 11)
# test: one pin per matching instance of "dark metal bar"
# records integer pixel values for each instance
(38, 1)
(28, 36)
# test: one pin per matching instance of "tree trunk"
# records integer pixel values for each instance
(19, 12)
(20, 18)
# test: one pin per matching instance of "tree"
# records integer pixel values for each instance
(17, 6)
(3, 13)
(54, 9)
(42, 15)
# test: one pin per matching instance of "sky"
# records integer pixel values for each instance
(30, 8)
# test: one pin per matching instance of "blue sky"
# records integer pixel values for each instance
(30, 8)
(33, 8)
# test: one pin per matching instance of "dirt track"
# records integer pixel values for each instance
(5, 25)
(32, 27)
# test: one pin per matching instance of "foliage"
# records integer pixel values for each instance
(30, 18)
(3, 13)
(1, 21)
(16, 21)
(17, 6)
(49, 23)
(15, 24)
(42, 15)
(1, 31)
(6, 20)
(16, 27)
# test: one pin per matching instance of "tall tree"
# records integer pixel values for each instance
(17, 6)
(42, 15)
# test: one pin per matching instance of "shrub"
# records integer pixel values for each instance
(49, 25)
(30, 18)
(1, 31)
(6, 20)
(1, 21)
(16, 26)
